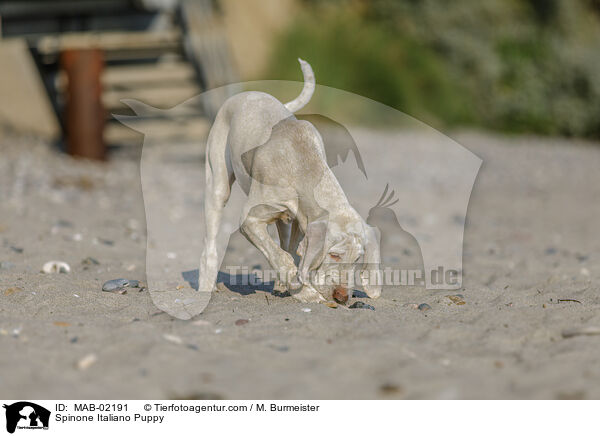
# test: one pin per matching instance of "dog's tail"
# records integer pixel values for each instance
(307, 92)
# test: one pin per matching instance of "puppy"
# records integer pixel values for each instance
(280, 163)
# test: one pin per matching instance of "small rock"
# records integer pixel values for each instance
(340, 295)
(424, 307)
(16, 249)
(456, 299)
(306, 309)
(201, 322)
(390, 389)
(11, 291)
(172, 338)
(331, 304)
(56, 266)
(115, 285)
(63, 223)
(90, 261)
(583, 331)
(242, 322)
(87, 361)
(585, 272)
(361, 305)
(103, 241)
(120, 285)
(61, 324)
(359, 294)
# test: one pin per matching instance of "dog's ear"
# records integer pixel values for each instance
(312, 247)
(371, 276)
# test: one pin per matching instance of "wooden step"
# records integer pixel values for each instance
(163, 97)
(107, 41)
(139, 76)
(156, 131)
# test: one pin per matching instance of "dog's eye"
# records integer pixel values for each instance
(335, 257)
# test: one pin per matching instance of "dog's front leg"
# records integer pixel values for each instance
(254, 228)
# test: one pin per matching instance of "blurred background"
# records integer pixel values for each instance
(507, 65)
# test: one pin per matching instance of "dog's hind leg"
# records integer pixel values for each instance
(284, 230)
(296, 236)
(218, 188)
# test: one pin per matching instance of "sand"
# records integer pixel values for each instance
(531, 271)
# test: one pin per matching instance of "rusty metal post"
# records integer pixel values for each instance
(84, 113)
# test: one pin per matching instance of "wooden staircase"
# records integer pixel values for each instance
(162, 66)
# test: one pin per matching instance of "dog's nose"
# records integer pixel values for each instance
(340, 294)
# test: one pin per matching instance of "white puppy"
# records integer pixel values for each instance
(280, 164)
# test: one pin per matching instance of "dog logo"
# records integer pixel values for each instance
(26, 415)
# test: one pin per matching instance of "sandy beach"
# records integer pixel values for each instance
(522, 327)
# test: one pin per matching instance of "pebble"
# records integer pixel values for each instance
(583, 331)
(361, 305)
(424, 307)
(90, 261)
(11, 291)
(172, 338)
(201, 322)
(62, 324)
(115, 285)
(242, 321)
(306, 309)
(390, 389)
(456, 299)
(103, 241)
(87, 361)
(120, 285)
(56, 266)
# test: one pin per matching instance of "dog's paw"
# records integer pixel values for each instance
(279, 286)
(308, 295)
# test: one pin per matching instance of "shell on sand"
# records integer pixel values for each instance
(56, 266)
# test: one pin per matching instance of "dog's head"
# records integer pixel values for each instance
(330, 251)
